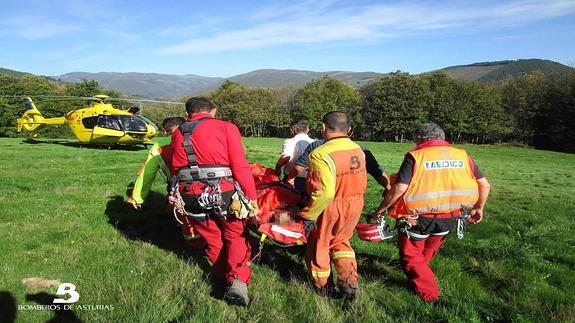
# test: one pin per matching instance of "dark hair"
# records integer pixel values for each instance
(337, 121)
(299, 127)
(172, 122)
(199, 104)
(428, 131)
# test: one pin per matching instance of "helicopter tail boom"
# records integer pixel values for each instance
(32, 119)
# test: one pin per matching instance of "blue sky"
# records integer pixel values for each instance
(225, 38)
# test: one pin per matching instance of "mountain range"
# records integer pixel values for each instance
(154, 85)
(168, 85)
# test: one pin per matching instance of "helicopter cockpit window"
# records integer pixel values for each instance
(131, 123)
(109, 122)
(148, 121)
(90, 122)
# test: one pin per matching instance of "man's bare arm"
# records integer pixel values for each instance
(391, 197)
(282, 161)
(294, 172)
(476, 214)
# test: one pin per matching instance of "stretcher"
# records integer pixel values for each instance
(279, 204)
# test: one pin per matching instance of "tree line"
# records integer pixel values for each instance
(534, 109)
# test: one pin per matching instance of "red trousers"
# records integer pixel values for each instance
(227, 248)
(416, 256)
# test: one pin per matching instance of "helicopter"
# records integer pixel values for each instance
(97, 123)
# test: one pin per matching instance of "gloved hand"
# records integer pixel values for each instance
(288, 181)
(309, 225)
(134, 204)
(255, 208)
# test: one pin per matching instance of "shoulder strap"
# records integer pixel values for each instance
(187, 129)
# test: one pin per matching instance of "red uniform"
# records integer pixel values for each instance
(218, 143)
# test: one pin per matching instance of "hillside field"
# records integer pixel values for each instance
(63, 217)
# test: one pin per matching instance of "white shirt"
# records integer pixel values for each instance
(294, 147)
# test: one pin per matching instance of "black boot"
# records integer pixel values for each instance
(347, 293)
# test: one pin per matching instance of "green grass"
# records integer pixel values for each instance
(62, 218)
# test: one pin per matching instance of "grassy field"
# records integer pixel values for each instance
(63, 217)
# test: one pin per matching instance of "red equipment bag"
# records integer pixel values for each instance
(374, 232)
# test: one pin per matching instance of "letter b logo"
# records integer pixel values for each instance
(67, 288)
(355, 163)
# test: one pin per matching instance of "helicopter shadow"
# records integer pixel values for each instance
(68, 143)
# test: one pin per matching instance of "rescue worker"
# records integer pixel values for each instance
(292, 149)
(209, 161)
(336, 183)
(159, 158)
(435, 181)
(374, 168)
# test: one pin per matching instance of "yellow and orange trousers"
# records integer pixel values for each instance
(330, 242)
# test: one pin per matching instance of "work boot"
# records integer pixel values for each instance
(325, 291)
(347, 293)
(237, 293)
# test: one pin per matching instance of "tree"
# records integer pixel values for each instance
(323, 95)
(18, 87)
(393, 106)
(554, 121)
(86, 88)
(519, 99)
(256, 111)
(487, 121)
(467, 111)
(449, 106)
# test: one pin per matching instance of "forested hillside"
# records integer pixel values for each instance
(501, 70)
(9, 72)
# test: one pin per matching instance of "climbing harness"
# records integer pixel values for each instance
(405, 223)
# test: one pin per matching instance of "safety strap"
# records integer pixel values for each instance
(258, 255)
(205, 172)
(187, 129)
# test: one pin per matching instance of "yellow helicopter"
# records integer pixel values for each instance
(98, 123)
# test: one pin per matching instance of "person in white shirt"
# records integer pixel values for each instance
(292, 148)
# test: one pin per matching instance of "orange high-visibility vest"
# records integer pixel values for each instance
(442, 181)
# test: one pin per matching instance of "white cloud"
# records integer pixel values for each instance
(323, 21)
(34, 27)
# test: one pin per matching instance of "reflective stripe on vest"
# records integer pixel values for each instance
(436, 195)
(442, 181)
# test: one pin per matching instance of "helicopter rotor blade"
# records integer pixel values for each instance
(142, 100)
(54, 98)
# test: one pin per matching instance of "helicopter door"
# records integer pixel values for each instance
(107, 126)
